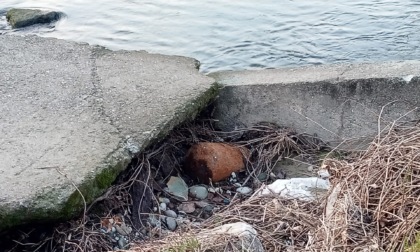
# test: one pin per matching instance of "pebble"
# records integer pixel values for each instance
(153, 221)
(122, 243)
(209, 208)
(201, 204)
(310, 168)
(228, 192)
(226, 201)
(177, 188)
(262, 177)
(113, 230)
(170, 213)
(187, 207)
(164, 200)
(244, 190)
(237, 185)
(162, 206)
(198, 192)
(170, 223)
(233, 175)
(123, 229)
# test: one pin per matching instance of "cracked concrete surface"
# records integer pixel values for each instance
(75, 113)
(336, 102)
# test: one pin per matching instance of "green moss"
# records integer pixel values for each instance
(92, 188)
(48, 205)
(414, 247)
(188, 245)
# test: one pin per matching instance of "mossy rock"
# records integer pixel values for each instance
(19, 18)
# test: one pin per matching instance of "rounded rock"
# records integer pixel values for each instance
(170, 223)
(164, 200)
(170, 213)
(162, 206)
(262, 177)
(213, 162)
(198, 192)
(244, 190)
(122, 243)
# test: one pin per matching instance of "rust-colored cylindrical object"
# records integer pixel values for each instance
(214, 161)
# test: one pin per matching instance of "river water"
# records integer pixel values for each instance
(226, 35)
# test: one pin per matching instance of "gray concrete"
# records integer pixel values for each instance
(76, 114)
(338, 102)
(19, 18)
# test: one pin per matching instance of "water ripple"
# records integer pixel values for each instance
(241, 34)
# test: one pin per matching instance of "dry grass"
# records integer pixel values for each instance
(373, 205)
(377, 195)
(282, 225)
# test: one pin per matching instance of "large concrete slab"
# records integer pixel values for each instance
(337, 102)
(74, 113)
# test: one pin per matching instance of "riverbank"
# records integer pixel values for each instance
(75, 116)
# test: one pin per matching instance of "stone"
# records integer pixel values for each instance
(244, 190)
(310, 168)
(19, 18)
(198, 192)
(201, 204)
(170, 223)
(214, 161)
(187, 207)
(162, 206)
(122, 243)
(153, 221)
(74, 115)
(262, 177)
(170, 213)
(178, 188)
(164, 200)
(209, 208)
(123, 229)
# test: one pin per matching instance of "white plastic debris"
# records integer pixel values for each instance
(296, 187)
(323, 173)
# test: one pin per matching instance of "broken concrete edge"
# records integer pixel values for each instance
(339, 103)
(45, 207)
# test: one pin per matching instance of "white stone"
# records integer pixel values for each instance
(162, 206)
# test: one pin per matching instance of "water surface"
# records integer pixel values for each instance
(244, 34)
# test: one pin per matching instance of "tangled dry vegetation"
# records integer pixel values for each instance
(373, 203)
(375, 200)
